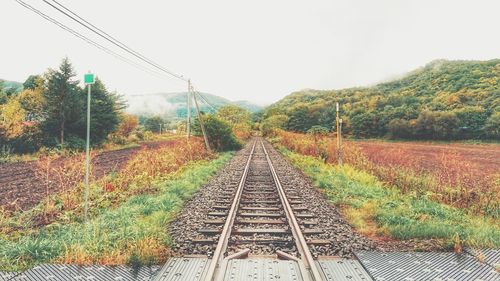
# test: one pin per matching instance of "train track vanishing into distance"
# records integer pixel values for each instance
(259, 218)
(260, 208)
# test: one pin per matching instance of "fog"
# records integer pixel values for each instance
(252, 50)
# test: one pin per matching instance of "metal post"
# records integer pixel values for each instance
(87, 161)
(340, 142)
(337, 121)
(188, 105)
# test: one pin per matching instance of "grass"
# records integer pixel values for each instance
(464, 177)
(375, 208)
(7, 155)
(135, 232)
(467, 141)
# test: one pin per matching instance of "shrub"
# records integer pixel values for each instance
(153, 124)
(219, 133)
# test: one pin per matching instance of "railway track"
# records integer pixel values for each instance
(259, 218)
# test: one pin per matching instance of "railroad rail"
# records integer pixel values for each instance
(260, 220)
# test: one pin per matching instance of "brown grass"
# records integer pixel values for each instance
(460, 175)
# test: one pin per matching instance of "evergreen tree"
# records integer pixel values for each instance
(105, 110)
(63, 105)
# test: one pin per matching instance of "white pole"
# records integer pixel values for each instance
(87, 162)
(188, 104)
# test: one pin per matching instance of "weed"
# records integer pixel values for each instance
(132, 232)
(446, 177)
(377, 208)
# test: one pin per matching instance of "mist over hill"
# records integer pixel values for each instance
(173, 105)
(13, 86)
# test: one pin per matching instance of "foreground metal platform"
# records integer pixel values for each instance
(260, 269)
(73, 272)
(426, 266)
(472, 265)
(371, 266)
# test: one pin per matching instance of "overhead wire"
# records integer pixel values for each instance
(80, 20)
(88, 40)
(83, 22)
(205, 100)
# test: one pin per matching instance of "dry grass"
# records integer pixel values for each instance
(454, 174)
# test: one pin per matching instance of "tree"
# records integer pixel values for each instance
(437, 125)
(63, 105)
(300, 119)
(3, 96)
(11, 119)
(33, 102)
(128, 125)
(33, 82)
(153, 124)
(492, 126)
(471, 122)
(239, 119)
(273, 122)
(105, 112)
(399, 129)
(233, 114)
(219, 133)
(364, 124)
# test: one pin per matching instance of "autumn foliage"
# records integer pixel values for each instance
(444, 175)
(63, 177)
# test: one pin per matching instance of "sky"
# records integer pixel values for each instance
(259, 50)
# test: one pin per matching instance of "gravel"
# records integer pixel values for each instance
(343, 239)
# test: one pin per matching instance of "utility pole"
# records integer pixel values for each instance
(89, 80)
(188, 104)
(201, 122)
(339, 135)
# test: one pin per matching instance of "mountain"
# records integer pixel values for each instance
(442, 100)
(11, 86)
(173, 105)
(248, 105)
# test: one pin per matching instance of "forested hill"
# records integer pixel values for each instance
(443, 100)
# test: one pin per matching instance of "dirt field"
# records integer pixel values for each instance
(483, 159)
(22, 188)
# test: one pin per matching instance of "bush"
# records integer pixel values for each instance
(73, 142)
(219, 133)
(399, 129)
(153, 124)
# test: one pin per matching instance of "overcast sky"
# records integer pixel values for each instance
(259, 50)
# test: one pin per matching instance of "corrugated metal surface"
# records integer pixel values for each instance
(262, 270)
(5, 276)
(185, 269)
(489, 256)
(95, 273)
(343, 270)
(426, 266)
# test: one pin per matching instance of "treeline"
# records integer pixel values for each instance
(51, 109)
(445, 100)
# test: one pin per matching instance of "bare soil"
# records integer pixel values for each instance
(21, 187)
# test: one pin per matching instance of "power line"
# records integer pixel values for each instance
(74, 16)
(206, 101)
(86, 39)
